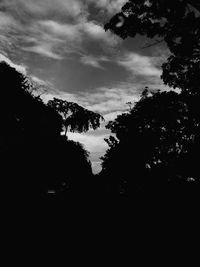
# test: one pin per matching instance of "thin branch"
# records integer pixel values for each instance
(153, 44)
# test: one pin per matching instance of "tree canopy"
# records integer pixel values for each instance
(155, 143)
(75, 117)
(159, 137)
(175, 22)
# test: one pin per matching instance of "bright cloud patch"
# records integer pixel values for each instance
(140, 65)
(92, 143)
(93, 61)
(58, 29)
(95, 144)
(109, 100)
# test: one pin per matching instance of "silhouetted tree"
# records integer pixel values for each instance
(153, 145)
(68, 169)
(75, 117)
(34, 157)
(163, 128)
(175, 22)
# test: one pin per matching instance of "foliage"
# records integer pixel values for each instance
(175, 22)
(34, 156)
(75, 117)
(22, 112)
(159, 137)
(155, 142)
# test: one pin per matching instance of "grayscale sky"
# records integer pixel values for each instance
(62, 45)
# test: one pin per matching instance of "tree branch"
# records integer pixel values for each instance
(194, 4)
(152, 44)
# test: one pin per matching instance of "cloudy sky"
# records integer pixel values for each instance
(62, 45)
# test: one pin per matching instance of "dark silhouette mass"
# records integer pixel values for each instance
(37, 160)
(154, 150)
(154, 147)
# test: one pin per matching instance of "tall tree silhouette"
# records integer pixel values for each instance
(75, 117)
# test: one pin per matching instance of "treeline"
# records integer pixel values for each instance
(155, 149)
(37, 159)
(155, 146)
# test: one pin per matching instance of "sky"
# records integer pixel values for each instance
(62, 46)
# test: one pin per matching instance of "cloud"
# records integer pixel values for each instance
(93, 143)
(41, 8)
(140, 65)
(50, 28)
(40, 82)
(111, 6)
(60, 29)
(97, 32)
(51, 39)
(42, 49)
(6, 20)
(112, 115)
(107, 100)
(93, 61)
